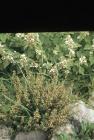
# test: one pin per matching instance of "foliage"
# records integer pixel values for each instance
(33, 104)
(63, 137)
(86, 133)
(73, 55)
(69, 55)
(43, 65)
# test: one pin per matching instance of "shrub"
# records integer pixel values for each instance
(33, 104)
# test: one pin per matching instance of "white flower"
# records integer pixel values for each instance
(67, 72)
(23, 60)
(32, 40)
(23, 55)
(32, 37)
(20, 34)
(53, 70)
(63, 63)
(39, 52)
(93, 46)
(34, 65)
(29, 39)
(83, 60)
(86, 33)
(9, 57)
(71, 52)
(69, 41)
(78, 37)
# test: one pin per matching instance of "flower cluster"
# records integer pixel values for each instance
(67, 72)
(20, 35)
(82, 35)
(29, 38)
(34, 65)
(83, 60)
(69, 41)
(71, 53)
(23, 60)
(8, 57)
(63, 63)
(53, 71)
(39, 52)
(37, 115)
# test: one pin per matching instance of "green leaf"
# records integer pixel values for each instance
(91, 59)
(6, 108)
(81, 70)
(62, 137)
(3, 37)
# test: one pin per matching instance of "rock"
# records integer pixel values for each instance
(5, 133)
(33, 135)
(81, 112)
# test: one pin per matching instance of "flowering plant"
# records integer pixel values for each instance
(56, 59)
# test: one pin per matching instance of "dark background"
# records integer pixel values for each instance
(46, 16)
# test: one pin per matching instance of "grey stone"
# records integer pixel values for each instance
(33, 135)
(5, 133)
(81, 112)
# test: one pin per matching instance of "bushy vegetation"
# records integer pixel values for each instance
(39, 75)
(69, 56)
(31, 104)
